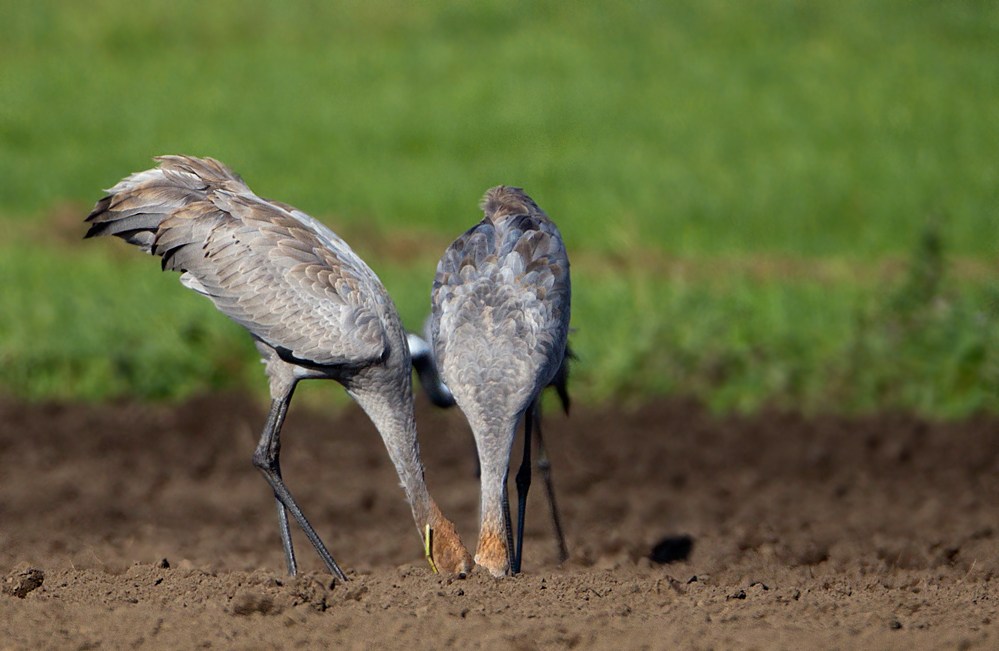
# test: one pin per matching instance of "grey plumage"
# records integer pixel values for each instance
(500, 318)
(313, 307)
(440, 396)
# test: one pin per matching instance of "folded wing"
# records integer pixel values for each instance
(276, 271)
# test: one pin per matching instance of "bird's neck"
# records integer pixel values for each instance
(391, 411)
(494, 440)
(387, 398)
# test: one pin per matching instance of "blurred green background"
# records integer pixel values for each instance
(791, 203)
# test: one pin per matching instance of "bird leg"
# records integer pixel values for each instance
(289, 551)
(545, 469)
(523, 481)
(507, 525)
(274, 421)
(267, 459)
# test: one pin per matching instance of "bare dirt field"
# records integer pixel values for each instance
(149, 528)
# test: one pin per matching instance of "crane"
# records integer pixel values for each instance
(440, 396)
(499, 323)
(315, 310)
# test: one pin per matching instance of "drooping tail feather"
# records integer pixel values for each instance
(137, 206)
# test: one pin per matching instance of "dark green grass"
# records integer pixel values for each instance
(709, 128)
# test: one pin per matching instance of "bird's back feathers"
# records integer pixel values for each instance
(501, 303)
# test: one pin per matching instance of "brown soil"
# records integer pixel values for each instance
(864, 533)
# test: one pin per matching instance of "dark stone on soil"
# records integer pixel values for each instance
(672, 549)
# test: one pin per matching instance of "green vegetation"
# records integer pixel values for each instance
(745, 187)
(79, 324)
(921, 342)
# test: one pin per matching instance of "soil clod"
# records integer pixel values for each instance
(22, 580)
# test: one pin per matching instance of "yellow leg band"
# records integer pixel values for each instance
(427, 548)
